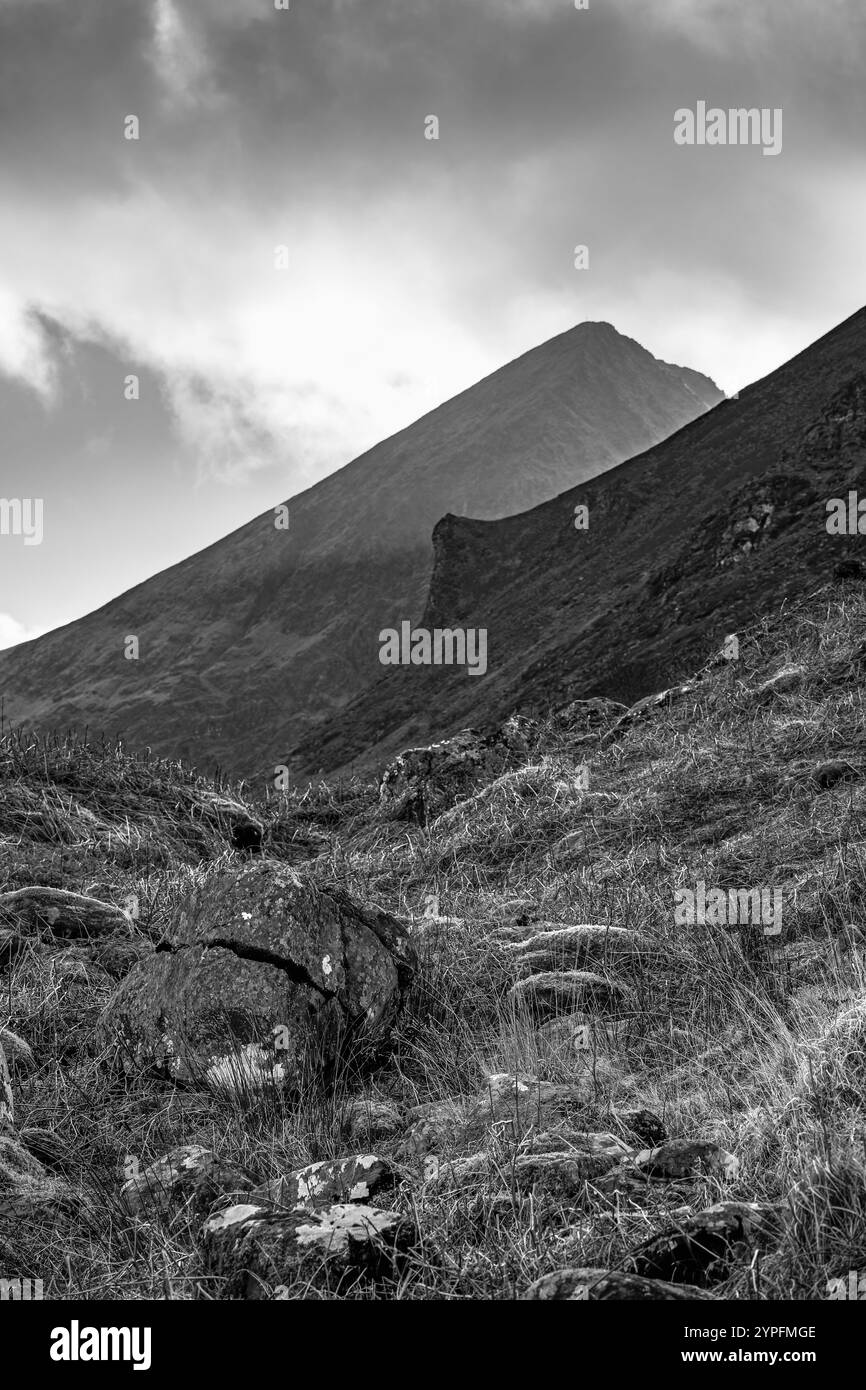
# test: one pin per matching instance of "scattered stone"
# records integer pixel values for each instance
(644, 1124)
(554, 1175)
(577, 1141)
(63, 913)
(190, 1174)
(682, 1158)
(552, 991)
(261, 956)
(596, 1285)
(371, 1120)
(559, 1175)
(259, 1254)
(646, 706)
(330, 1182)
(702, 1249)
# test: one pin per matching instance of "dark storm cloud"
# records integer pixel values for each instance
(415, 266)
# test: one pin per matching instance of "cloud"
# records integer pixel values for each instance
(414, 266)
(12, 632)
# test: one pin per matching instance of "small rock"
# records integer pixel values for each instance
(190, 1174)
(702, 1249)
(371, 1119)
(596, 1285)
(256, 1251)
(329, 1182)
(62, 912)
(644, 1124)
(572, 947)
(681, 1158)
(554, 991)
(559, 1175)
(577, 1141)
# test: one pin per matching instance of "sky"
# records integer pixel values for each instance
(412, 267)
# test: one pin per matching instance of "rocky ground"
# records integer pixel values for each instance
(443, 1036)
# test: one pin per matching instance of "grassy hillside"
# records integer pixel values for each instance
(750, 1042)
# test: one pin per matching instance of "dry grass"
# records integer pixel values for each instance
(757, 1043)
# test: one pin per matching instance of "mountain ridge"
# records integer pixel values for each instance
(245, 643)
(650, 605)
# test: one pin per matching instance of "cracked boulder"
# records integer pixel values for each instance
(262, 1254)
(259, 961)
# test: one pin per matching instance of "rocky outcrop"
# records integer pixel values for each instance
(421, 783)
(260, 962)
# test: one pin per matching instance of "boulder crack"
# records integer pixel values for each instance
(244, 951)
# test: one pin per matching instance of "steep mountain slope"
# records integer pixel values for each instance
(242, 645)
(684, 542)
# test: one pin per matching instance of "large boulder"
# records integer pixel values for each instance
(421, 783)
(260, 960)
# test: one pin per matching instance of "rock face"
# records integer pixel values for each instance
(255, 958)
(422, 782)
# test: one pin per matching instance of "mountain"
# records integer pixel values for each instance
(242, 646)
(685, 542)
